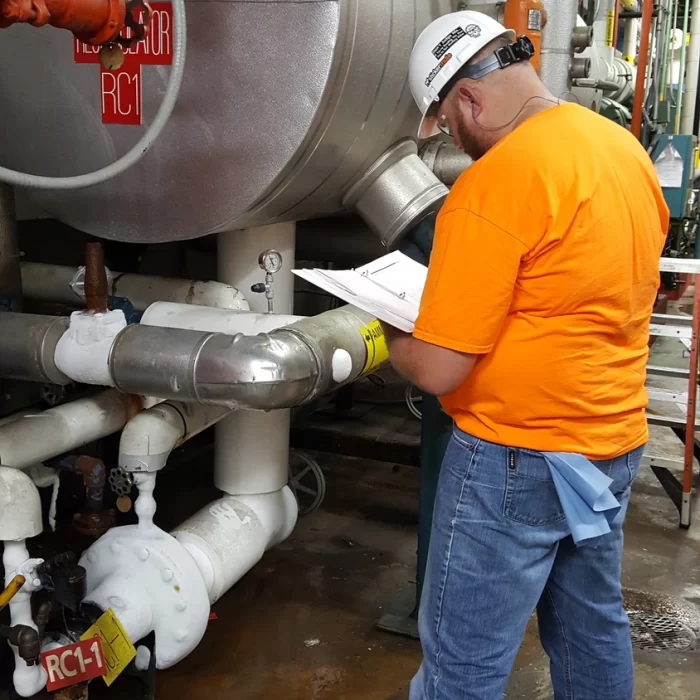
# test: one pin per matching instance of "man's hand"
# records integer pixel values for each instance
(434, 370)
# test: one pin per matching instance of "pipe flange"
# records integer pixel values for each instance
(396, 193)
(151, 583)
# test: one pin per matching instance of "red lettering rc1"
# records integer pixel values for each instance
(121, 90)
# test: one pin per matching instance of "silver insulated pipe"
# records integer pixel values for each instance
(288, 367)
(557, 46)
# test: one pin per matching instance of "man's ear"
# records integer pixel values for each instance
(469, 97)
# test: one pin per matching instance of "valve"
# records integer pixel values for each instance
(271, 262)
(94, 23)
(26, 639)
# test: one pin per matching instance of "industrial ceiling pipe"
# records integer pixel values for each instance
(640, 87)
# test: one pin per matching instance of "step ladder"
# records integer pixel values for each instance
(685, 328)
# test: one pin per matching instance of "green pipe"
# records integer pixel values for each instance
(681, 76)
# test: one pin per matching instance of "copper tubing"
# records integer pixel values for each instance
(13, 588)
(95, 278)
(640, 87)
(92, 21)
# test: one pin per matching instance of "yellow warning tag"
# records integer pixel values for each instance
(116, 645)
(377, 350)
(610, 29)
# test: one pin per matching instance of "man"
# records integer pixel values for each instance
(533, 330)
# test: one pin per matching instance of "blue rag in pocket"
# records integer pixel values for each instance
(584, 492)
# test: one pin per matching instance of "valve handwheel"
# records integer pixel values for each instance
(307, 481)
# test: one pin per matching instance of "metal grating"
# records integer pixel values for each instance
(660, 633)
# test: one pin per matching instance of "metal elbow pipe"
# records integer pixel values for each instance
(288, 367)
(445, 160)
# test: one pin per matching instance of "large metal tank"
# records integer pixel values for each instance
(284, 105)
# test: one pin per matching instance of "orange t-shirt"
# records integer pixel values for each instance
(546, 263)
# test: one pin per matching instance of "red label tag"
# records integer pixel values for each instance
(121, 89)
(74, 663)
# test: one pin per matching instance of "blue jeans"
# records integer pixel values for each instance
(500, 550)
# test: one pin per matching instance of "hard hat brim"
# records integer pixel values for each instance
(428, 124)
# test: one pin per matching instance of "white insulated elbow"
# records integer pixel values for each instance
(83, 351)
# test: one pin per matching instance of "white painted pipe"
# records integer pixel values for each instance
(28, 680)
(82, 352)
(161, 582)
(692, 73)
(202, 318)
(230, 536)
(150, 437)
(51, 283)
(629, 46)
(43, 435)
(252, 438)
(601, 28)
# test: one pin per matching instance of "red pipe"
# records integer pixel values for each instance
(640, 88)
(92, 21)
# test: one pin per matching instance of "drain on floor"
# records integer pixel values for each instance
(660, 633)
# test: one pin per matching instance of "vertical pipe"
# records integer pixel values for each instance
(653, 91)
(556, 52)
(667, 50)
(10, 269)
(639, 93)
(603, 29)
(629, 44)
(681, 75)
(692, 73)
(252, 448)
(28, 680)
(616, 25)
(95, 278)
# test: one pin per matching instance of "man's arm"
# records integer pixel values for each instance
(433, 369)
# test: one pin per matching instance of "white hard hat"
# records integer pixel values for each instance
(441, 50)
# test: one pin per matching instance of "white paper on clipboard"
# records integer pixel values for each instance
(669, 167)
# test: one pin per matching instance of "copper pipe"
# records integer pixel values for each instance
(92, 21)
(95, 278)
(616, 26)
(640, 87)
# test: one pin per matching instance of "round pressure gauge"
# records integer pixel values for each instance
(270, 261)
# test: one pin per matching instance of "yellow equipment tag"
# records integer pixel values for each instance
(377, 350)
(610, 29)
(116, 645)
